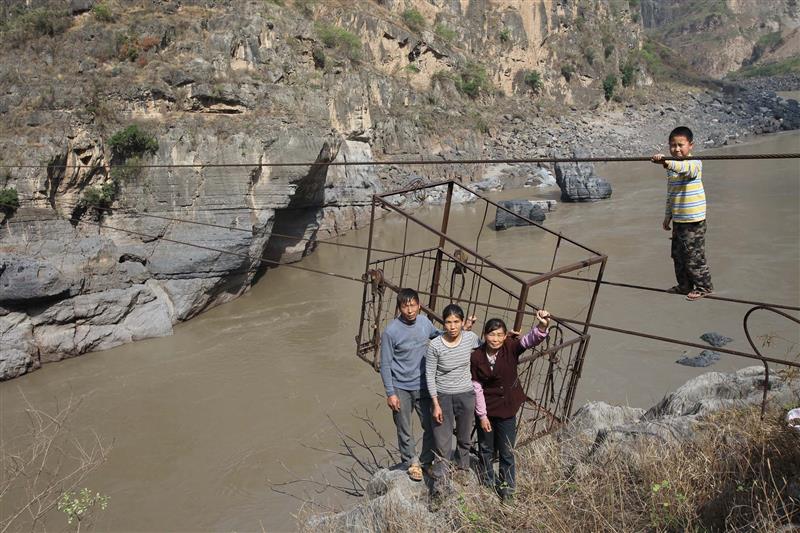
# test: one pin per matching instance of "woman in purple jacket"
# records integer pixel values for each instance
(499, 395)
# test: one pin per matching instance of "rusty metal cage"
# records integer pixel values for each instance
(444, 270)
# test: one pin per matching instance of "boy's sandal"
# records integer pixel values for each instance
(676, 290)
(697, 295)
(415, 472)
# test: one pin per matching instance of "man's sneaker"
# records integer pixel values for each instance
(415, 472)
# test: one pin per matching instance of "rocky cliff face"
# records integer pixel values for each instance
(224, 82)
(717, 37)
(259, 82)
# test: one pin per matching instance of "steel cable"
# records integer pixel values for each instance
(400, 162)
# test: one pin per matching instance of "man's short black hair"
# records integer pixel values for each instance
(407, 295)
(682, 131)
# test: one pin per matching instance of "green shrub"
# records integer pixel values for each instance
(132, 141)
(318, 54)
(24, 24)
(445, 33)
(337, 38)
(608, 50)
(472, 80)
(534, 80)
(790, 65)
(567, 71)
(103, 13)
(589, 55)
(628, 72)
(99, 197)
(276, 2)
(414, 19)
(609, 84)
(411, 67)
(504, 35)
(9, 201)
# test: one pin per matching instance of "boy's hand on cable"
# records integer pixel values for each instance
(544, 319)
(666, 222)
(658, 159)
(393, 402)
(486, 426)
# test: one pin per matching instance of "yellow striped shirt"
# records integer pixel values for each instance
(686, 199)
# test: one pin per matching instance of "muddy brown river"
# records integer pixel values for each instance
(204, 422)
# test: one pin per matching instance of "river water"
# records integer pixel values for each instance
(203, 423)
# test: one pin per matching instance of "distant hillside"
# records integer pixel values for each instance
(716, 38)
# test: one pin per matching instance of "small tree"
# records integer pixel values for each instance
(132, 141)
(414, 19)
(445, 33)
(534, 80)
(337, 38)
(9, 201)
(504, 35)
(79, 506)
(628, 72)
(473, 80)
(609, 84)
(103, 13)
(567, 71)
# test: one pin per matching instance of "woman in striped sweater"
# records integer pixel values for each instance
(450, 387)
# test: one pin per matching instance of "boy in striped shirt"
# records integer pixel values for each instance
(686, 209)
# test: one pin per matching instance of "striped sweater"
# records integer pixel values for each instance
(686, 199)
(447, 369)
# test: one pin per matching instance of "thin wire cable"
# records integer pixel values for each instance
(130, 211)
(209, 248)
(648, 288)
(423, 162)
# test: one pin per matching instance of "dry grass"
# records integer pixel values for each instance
(739, 473)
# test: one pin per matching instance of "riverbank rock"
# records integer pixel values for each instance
(579, 183)
(532, 209)
(598, 427)
(392, 501)
(596, 432)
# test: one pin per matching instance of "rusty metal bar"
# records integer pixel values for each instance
(531, 222)
(403, 256)
(366, 269)
(451, 241)
(523, 299)
(437, 267)
(652, 289)
(682, 343)
(553, 349)
(590, 312)
(567, 268)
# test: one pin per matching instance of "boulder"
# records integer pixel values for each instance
(25, 278)
(579, 183)
(16, 345)
(532, 209)
(703, 359)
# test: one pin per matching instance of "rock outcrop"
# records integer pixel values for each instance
(535, 210)
(392, 500)
(578, 181)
